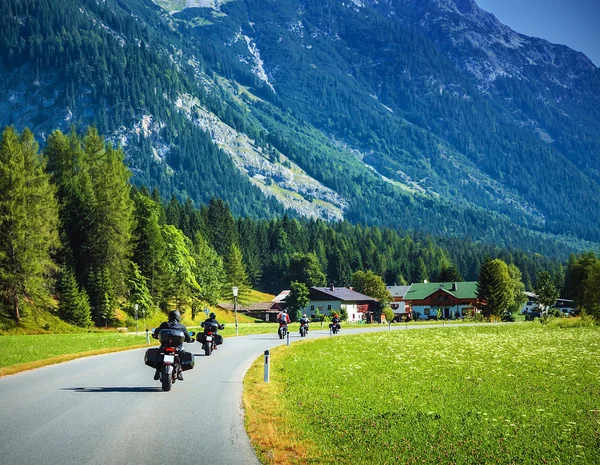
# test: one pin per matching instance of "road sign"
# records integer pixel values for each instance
(206, 310)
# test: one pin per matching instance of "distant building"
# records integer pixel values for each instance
(399, 307)
(329, 300)
(441, 300)
(531, 307)
(261, 310)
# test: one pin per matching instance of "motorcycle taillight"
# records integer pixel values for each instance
(170, 349)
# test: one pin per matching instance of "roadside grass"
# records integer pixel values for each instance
(518, 394)
(25, 352)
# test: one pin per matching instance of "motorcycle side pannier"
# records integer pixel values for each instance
(171, 337)
(201, 337)
(187, 360)
(151, 357)
(218, 339)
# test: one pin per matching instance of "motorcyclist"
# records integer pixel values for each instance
(283, 317)
(335, 320)
(211, 324)
(304, 320)
(173, 323)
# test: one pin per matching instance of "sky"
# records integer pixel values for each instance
(575, 23)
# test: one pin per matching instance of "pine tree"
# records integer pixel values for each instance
(209, 270)
(111, 235)
(138, 290)
(149, 245)
(235, 275)
(28, 221)
(74, 305)
(493, 288)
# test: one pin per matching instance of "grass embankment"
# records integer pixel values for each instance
(470, 395)
(43, 339)
(25, 352)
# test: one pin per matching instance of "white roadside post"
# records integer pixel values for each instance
(287, 334)
(234, 291)
(136, 319)
(267, 365)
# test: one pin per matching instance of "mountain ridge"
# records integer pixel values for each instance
(392, 128)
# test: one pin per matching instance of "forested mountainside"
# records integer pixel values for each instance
(425, 114)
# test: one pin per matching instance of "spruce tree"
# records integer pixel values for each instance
(235, 275)
(28, 221)
(74, 305)
(111, 234)
(209, 270)
(493, 287)
(149, 245)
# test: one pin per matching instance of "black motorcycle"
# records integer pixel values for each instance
(303, 329)
(210, 339)
(335, 327)
(167, 359)
(283, 329)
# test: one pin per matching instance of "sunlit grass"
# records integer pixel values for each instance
(504, 394)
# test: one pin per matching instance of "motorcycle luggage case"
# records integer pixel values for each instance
(201, 338)
(218, 339)
(171, 337)
(151, 357)
(187, 360)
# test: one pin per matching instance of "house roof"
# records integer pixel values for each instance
(281, 296)
(464, 290)
(342, 293)
(398, 291)
(256, 306)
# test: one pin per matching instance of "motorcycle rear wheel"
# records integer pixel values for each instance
(167, 381)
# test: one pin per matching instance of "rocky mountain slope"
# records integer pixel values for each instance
(426, 114)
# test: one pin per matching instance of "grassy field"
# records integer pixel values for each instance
(22, 352)
(508, 394)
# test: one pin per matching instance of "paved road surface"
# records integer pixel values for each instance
(108, 409)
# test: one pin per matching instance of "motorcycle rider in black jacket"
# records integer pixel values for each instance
(305, 320)
(173, 323)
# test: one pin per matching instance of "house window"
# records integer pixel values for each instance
(446, 298)
(329, 307)
(312, 307)
(427, 312)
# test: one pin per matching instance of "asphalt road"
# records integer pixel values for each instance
(108, 409)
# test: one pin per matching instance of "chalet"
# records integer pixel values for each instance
(441, 300)
(262, 310)
(399, 307)
(329, 300)
(531, 306)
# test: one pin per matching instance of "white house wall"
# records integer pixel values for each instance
(336, 307)
(420, 309)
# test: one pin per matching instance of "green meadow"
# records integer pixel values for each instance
(507, 394)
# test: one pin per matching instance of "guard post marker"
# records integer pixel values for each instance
(267, 365)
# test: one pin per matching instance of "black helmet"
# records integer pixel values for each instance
(174, 315)
(212, 315)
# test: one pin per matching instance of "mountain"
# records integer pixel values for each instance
(425, 114)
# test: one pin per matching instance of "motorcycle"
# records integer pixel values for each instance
(210, 339)
(167, 359)
(303, 329)
(335, 327)
(283, 329)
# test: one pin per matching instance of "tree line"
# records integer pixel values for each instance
(75, 234)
